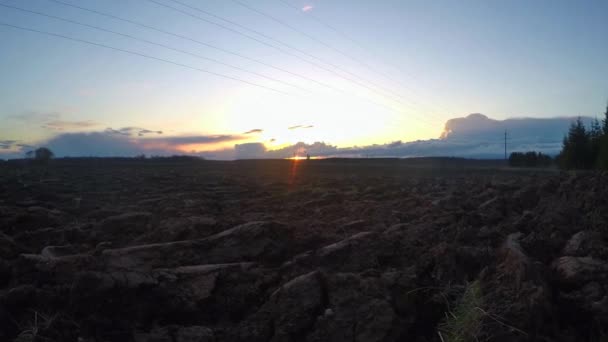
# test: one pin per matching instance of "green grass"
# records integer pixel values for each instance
(463, 324)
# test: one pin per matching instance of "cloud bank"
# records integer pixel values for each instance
(473, 136)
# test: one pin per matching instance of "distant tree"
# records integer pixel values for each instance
(605, 121)
(602, 153)
(29, 154)
(43, 155)
(595, 140)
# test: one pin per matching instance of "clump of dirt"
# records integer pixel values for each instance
(378, 250)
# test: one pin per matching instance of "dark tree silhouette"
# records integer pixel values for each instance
(595, 141)
(576, 152)
(602, 153)
(43, 155)
(605, 121)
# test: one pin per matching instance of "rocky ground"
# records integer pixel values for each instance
(182, 251)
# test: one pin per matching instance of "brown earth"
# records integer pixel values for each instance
(328, 250)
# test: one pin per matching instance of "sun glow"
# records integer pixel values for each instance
(323, 116)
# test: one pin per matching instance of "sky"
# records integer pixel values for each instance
(273, 73)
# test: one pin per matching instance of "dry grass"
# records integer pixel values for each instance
(35, 327)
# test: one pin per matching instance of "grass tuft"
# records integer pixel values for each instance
(463, 324)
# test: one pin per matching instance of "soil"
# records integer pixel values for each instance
(312, 250)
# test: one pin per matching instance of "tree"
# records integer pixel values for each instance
(602, 154)
(595, 140)
(43, 155)
(576, 153)
(605, 121)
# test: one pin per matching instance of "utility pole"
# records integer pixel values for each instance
(506, 144)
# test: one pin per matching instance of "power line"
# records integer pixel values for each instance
(251, 37)
(194, 41)
(344, 35)
(152, 43)
(353, 41)
(313, 38)
(274, 46)
(245, 35)
(157, 59)
(160, 59)
(143, 55)
(289, 46)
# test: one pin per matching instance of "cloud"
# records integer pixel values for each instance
(131, 131)
(147, 131)
(249, 151)
(301, 149)
(7, 144)
(196, 139)
(307, 8)
(35, 117)
(52, 121)
(300, 126)
(62, 125)
(480, 127)
(256, 130)
(98, 144)
(477, 136)
(27, 146)
(473, 136)
(116, 143)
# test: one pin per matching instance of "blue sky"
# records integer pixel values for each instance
(443, 59)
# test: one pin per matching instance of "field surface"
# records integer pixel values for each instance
(319, 250)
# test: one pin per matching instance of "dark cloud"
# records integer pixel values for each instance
(301, 149)
(7, 144)
(98, 144)
(480, 127)
(197, 139)
(131, 131)
(300, 126)
(250, 151)
(147, 131)
(119, 143)
(256, 130)
(22, 146)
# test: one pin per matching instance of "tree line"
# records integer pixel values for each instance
(530, 159)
